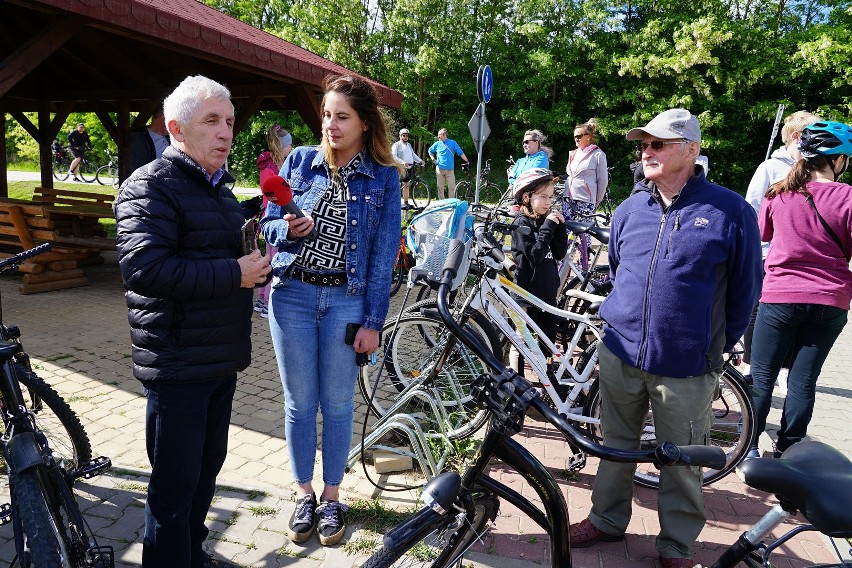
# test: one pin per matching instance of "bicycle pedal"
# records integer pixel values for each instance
(576, 462)
(95, 467)
(100, 557)
(5, 514)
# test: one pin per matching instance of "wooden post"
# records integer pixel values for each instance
(4, 184)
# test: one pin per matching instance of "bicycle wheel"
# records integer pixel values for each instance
(107, 175)
(66, 437)
(88, 171)
(43, 545)
(732, 429)
(440, 543)
(463, 190)
(60, 169)
(414, 349)
(403, 262)
(419, 193)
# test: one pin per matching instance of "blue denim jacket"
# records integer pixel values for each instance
(372, 225)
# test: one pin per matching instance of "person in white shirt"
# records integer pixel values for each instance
(403, 153)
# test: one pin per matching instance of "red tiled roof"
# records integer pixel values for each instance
(194, 25)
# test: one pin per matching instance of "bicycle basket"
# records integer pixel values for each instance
(429, 235)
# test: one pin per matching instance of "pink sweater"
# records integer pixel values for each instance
(804, 264)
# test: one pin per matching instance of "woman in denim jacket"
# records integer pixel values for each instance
(348, 189)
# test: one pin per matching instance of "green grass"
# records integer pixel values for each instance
(375, 516)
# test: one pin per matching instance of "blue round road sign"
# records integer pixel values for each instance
(484, 83)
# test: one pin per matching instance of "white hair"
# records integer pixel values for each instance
(182, 103)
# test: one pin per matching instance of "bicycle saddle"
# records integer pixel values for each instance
(814, 477)
(600, 233)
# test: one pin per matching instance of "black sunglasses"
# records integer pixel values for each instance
(529, 141)
(659, 144)
(578, 136)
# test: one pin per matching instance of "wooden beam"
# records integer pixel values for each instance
(307, 104)
(33, 52)
(59, 118)
(45, 157)
(106, 120)
(4, 182)
(25, 123)
(245, 112)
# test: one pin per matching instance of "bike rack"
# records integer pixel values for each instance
(408, 425)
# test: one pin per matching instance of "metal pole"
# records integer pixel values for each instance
(778, 116)
(481, 111)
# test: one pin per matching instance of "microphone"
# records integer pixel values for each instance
(277, 190)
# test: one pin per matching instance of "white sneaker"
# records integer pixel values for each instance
(782, 383)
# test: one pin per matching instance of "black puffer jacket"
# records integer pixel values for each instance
(178, 241)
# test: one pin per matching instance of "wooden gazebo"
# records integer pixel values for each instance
(118, 57)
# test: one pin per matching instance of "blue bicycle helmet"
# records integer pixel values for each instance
(826, 139)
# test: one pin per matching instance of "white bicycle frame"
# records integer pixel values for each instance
(527, 335)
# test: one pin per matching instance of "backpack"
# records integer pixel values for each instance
(429, 235)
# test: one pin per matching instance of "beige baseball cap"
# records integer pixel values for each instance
(673, 123)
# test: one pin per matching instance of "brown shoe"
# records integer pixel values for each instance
(676, 562)
(585, 534)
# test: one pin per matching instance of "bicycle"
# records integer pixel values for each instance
(466, 189)
(49, 529)
(404, 259)
(418, 191)
(459, 507)
(61, 161)
(420, 351)
(108, 174)
(88, 170)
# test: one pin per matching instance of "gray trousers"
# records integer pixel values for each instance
(682, 415)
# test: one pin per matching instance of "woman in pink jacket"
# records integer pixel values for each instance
(808, 284)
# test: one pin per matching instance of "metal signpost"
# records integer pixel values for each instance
(778, 116)
(478, 124)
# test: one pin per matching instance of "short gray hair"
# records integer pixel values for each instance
(192, 91)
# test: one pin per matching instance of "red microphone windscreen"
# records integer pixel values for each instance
(277, 190)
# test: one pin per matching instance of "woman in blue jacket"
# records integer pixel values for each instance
(348, 189)
(536, 155)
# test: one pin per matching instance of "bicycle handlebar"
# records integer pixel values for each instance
(508, 395)
(13, 261)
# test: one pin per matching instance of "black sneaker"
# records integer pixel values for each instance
(210, 562)
(331, 524)
(75, 178)
(304, 519)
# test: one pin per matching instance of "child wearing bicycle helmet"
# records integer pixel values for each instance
(808, 285)
(539, 241)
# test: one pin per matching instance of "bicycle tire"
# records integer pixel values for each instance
(462, 190)
(732, 430)
(66, 437)
(437, 544)
(107, 172)
(413, 349)
(430, 305)
(419, 193)
(88, 171)
(401, 265)
(42, 541)
(60, 169)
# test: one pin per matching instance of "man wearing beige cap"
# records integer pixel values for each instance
(676, 243)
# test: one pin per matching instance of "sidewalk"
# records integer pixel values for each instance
(79, 341)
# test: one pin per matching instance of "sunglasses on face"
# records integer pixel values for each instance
(578, 136)
(659, 144)
(529, 141)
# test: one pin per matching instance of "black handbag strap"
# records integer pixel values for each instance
(827, 228)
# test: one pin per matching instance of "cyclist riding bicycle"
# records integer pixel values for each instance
(78, 142)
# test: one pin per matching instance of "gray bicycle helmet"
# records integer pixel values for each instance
(528, 180)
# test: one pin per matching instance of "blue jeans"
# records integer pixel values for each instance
(810, 331)
(318, 371)
(186, 434)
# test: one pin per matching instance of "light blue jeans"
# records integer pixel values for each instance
(318, 371)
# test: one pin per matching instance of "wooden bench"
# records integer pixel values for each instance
(23, 225)
(76, 215)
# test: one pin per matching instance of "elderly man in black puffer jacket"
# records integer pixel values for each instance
(189, 299)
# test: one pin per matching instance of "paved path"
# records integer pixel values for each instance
(79, 342)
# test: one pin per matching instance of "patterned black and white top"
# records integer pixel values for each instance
(327, 253)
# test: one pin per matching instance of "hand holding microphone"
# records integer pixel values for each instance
(278, 191)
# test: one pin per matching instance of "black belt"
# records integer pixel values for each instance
(319, 279)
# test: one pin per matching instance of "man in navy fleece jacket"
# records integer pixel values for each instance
(684, 255)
